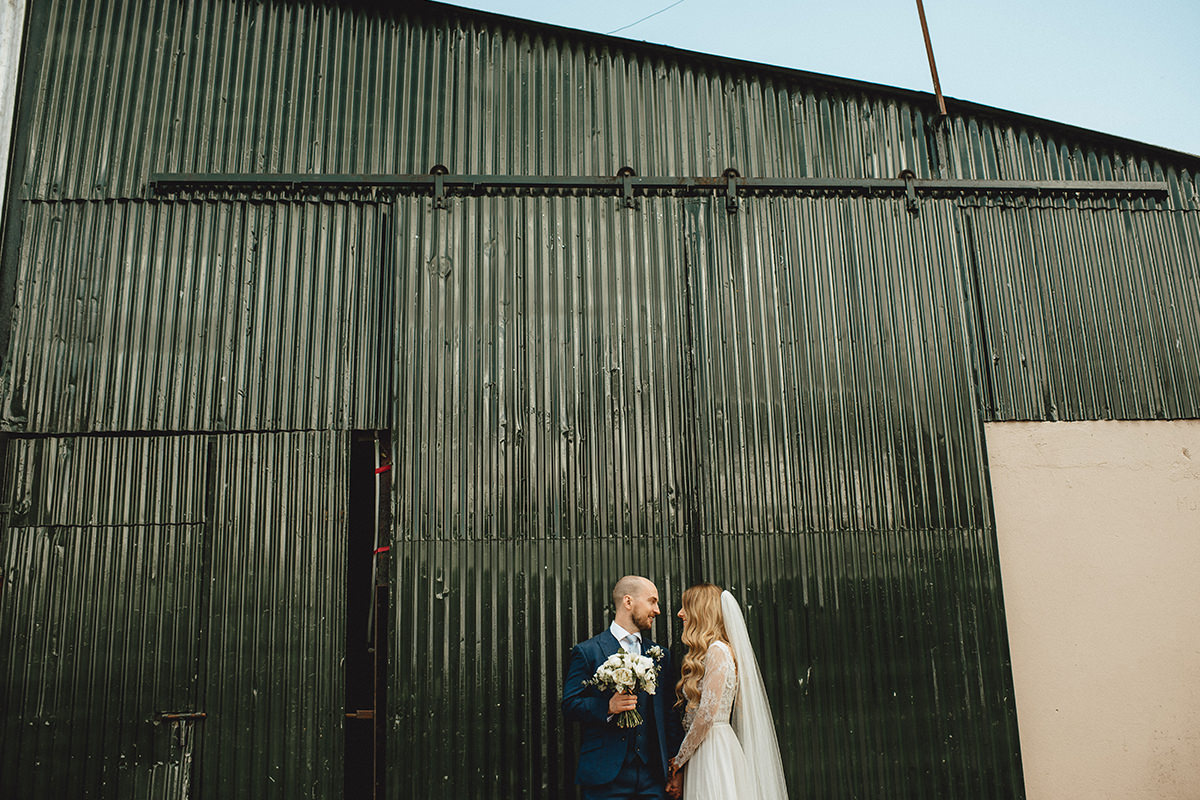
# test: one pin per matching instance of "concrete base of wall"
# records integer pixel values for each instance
(1099, 533)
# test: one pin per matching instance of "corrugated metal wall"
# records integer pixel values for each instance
(271, 670)
(1088, 315)
(539, 453)
(787, 400)
(237, 86)
(833, 387)
(163, 316)
(99, 626)
(588, 390)
(174, 574)
(840, 487)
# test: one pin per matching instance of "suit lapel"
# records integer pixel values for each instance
(608, 644)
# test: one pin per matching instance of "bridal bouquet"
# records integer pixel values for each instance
(628, 674)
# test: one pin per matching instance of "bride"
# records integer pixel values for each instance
(730, 749)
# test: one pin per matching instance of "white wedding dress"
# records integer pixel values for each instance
(716, 765)
(730, 749)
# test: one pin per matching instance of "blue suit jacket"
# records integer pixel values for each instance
(602, 743)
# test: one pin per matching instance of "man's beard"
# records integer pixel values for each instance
(643, 622)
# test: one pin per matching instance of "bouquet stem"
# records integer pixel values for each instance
(629, 719)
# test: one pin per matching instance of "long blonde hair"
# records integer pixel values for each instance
(705, 624)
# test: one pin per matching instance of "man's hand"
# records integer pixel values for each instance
(621, 702)
(675, 785)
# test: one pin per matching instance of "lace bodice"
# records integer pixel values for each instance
(718, 688)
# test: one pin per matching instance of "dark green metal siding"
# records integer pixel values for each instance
(482, 631)
(539, 452)
(540, 370)
(779, 399)
(100, 615)
(832, 381)
(884, 655)
(271, 671)
(1088, 315)
(842, 494)
(238, 86)
(167, 574)
(787, 400)
(196, 317)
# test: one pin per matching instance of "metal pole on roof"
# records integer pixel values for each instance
(937, 85)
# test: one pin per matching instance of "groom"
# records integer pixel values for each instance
(617, 763)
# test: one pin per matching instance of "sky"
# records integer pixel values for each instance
(1126, 68)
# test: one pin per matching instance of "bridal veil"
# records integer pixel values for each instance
(751, 718)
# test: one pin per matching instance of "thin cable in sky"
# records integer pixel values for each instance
(643, 19)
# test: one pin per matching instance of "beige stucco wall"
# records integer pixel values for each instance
(1099, 533)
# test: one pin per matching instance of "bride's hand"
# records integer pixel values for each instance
(675, 784)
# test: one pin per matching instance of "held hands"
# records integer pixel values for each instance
(621, 702)
(675, 784)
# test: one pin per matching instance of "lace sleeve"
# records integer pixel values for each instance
(718, 668)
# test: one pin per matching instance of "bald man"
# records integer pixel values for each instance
(624, 763)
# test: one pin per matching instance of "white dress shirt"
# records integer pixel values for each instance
(630, 642)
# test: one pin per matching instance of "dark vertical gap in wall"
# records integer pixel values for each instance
(5, 490)
(359, 761)
(382, 619)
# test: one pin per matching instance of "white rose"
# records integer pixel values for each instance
(623, 677)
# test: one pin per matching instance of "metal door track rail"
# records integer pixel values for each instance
(440, 185)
